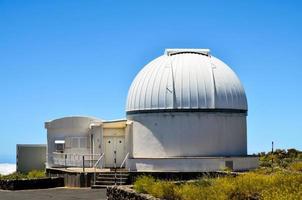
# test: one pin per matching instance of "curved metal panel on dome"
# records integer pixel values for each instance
(186, 79)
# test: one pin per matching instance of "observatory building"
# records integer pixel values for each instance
(186, 111)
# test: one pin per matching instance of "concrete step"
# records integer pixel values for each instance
(119, 170)
(118, 182)
(113, 175)
(106, 179)
(109, 178)
(99, 186)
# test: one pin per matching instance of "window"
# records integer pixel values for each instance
(59, 145)
(83, 142)
(60, 148)
(74, 142)
(229, 164)
(79, 142)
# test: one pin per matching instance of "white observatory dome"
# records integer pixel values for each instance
(186, 79)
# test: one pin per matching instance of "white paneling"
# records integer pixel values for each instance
(196, 81)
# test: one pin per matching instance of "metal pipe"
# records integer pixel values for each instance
(272, 155)
(114, 167)
(122, 166)
(83, 158)
(95, 165)
(124, 160)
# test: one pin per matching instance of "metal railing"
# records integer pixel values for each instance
(95, 166)
(74, 159)
(80, 160)
(124, 161)
(98, 161)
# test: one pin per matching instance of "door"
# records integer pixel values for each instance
(114, 148)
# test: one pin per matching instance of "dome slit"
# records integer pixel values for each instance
(147, 92)
(214, 86)
(157, 72)
(158, 90)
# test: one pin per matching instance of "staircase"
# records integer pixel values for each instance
(105, 179)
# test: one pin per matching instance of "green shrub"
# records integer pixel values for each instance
(143, 183)
(158, 188)
(189, 191)
(163, 189)
(36, 174)
(204, 182)
(13, 176)
(17, 175)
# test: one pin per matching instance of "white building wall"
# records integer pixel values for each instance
(191, 164)
(97, 134)
(159, 135)
(68, 127)
(129, 138)
(245, 163)
(113, 132)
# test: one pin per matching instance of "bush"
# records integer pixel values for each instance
(30, 175)
(296, 166)
(36, 174)
(253, 185)
(13, 176)
(142, 184)
(158, 188)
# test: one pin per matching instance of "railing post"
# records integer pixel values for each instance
(83, 158)
(94, 176)
(122, 167)
(115, 167)
(95, 166)
(272, 155)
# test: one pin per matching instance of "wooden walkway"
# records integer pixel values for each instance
(80, 170)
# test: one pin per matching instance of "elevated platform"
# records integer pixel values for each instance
(78, 169)
(77, 177)
(178, 168)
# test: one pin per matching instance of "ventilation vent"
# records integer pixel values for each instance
(171, 52)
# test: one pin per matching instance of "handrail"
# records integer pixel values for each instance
(78, 154)
(95, 165)
(75, 159)
(97, 162)
(62, 158)
(124, 160)
(127, 155)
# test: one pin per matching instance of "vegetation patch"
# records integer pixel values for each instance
(254, 185)
(279, 177)
(35, 174)
(32, 180)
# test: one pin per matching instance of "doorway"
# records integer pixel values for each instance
(114, 148)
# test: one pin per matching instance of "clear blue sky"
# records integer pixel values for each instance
(61, 58)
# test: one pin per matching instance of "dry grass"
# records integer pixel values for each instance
(296, 166)
(253, 185)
